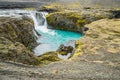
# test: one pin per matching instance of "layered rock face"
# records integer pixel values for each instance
(17, 39)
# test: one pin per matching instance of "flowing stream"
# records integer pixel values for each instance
(50, 39)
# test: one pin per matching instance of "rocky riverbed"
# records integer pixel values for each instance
(96, 54)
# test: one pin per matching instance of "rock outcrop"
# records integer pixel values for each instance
(17, 39)
(75, 21)
(66, 21)
(48, 57)
(64, 50)
(18, 30)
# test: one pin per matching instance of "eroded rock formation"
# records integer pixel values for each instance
(17, 39)
(75, 21)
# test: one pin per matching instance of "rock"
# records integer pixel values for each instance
(116, 13)
(48, 57)
(18, 30)
(64, 50)
(66, 21)
(16, 51)
(74, 21)
(16, 40)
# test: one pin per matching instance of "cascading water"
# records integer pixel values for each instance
(50, 39)
(41, 22)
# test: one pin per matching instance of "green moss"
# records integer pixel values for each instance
(71, 21)
(80, 22)
(48, 58)
(63, 53)
(11, 31)
(13, 45)
(78, 50)
(49, 18)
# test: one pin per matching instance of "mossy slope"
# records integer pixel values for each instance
(17, 39)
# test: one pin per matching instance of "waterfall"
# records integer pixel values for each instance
(39, 18)
(40, 22)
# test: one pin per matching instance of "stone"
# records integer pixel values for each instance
(48, 57)
(75, 21)
(14, 29)
(64, 50)
(17, 40)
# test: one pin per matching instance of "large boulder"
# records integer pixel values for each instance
(64, 50)
(66, 21)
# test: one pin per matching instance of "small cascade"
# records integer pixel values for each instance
(41, 23)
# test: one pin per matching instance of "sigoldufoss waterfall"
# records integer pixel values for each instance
(49, 39)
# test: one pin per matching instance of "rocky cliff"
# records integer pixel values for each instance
(75, 21)
(17, 40)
